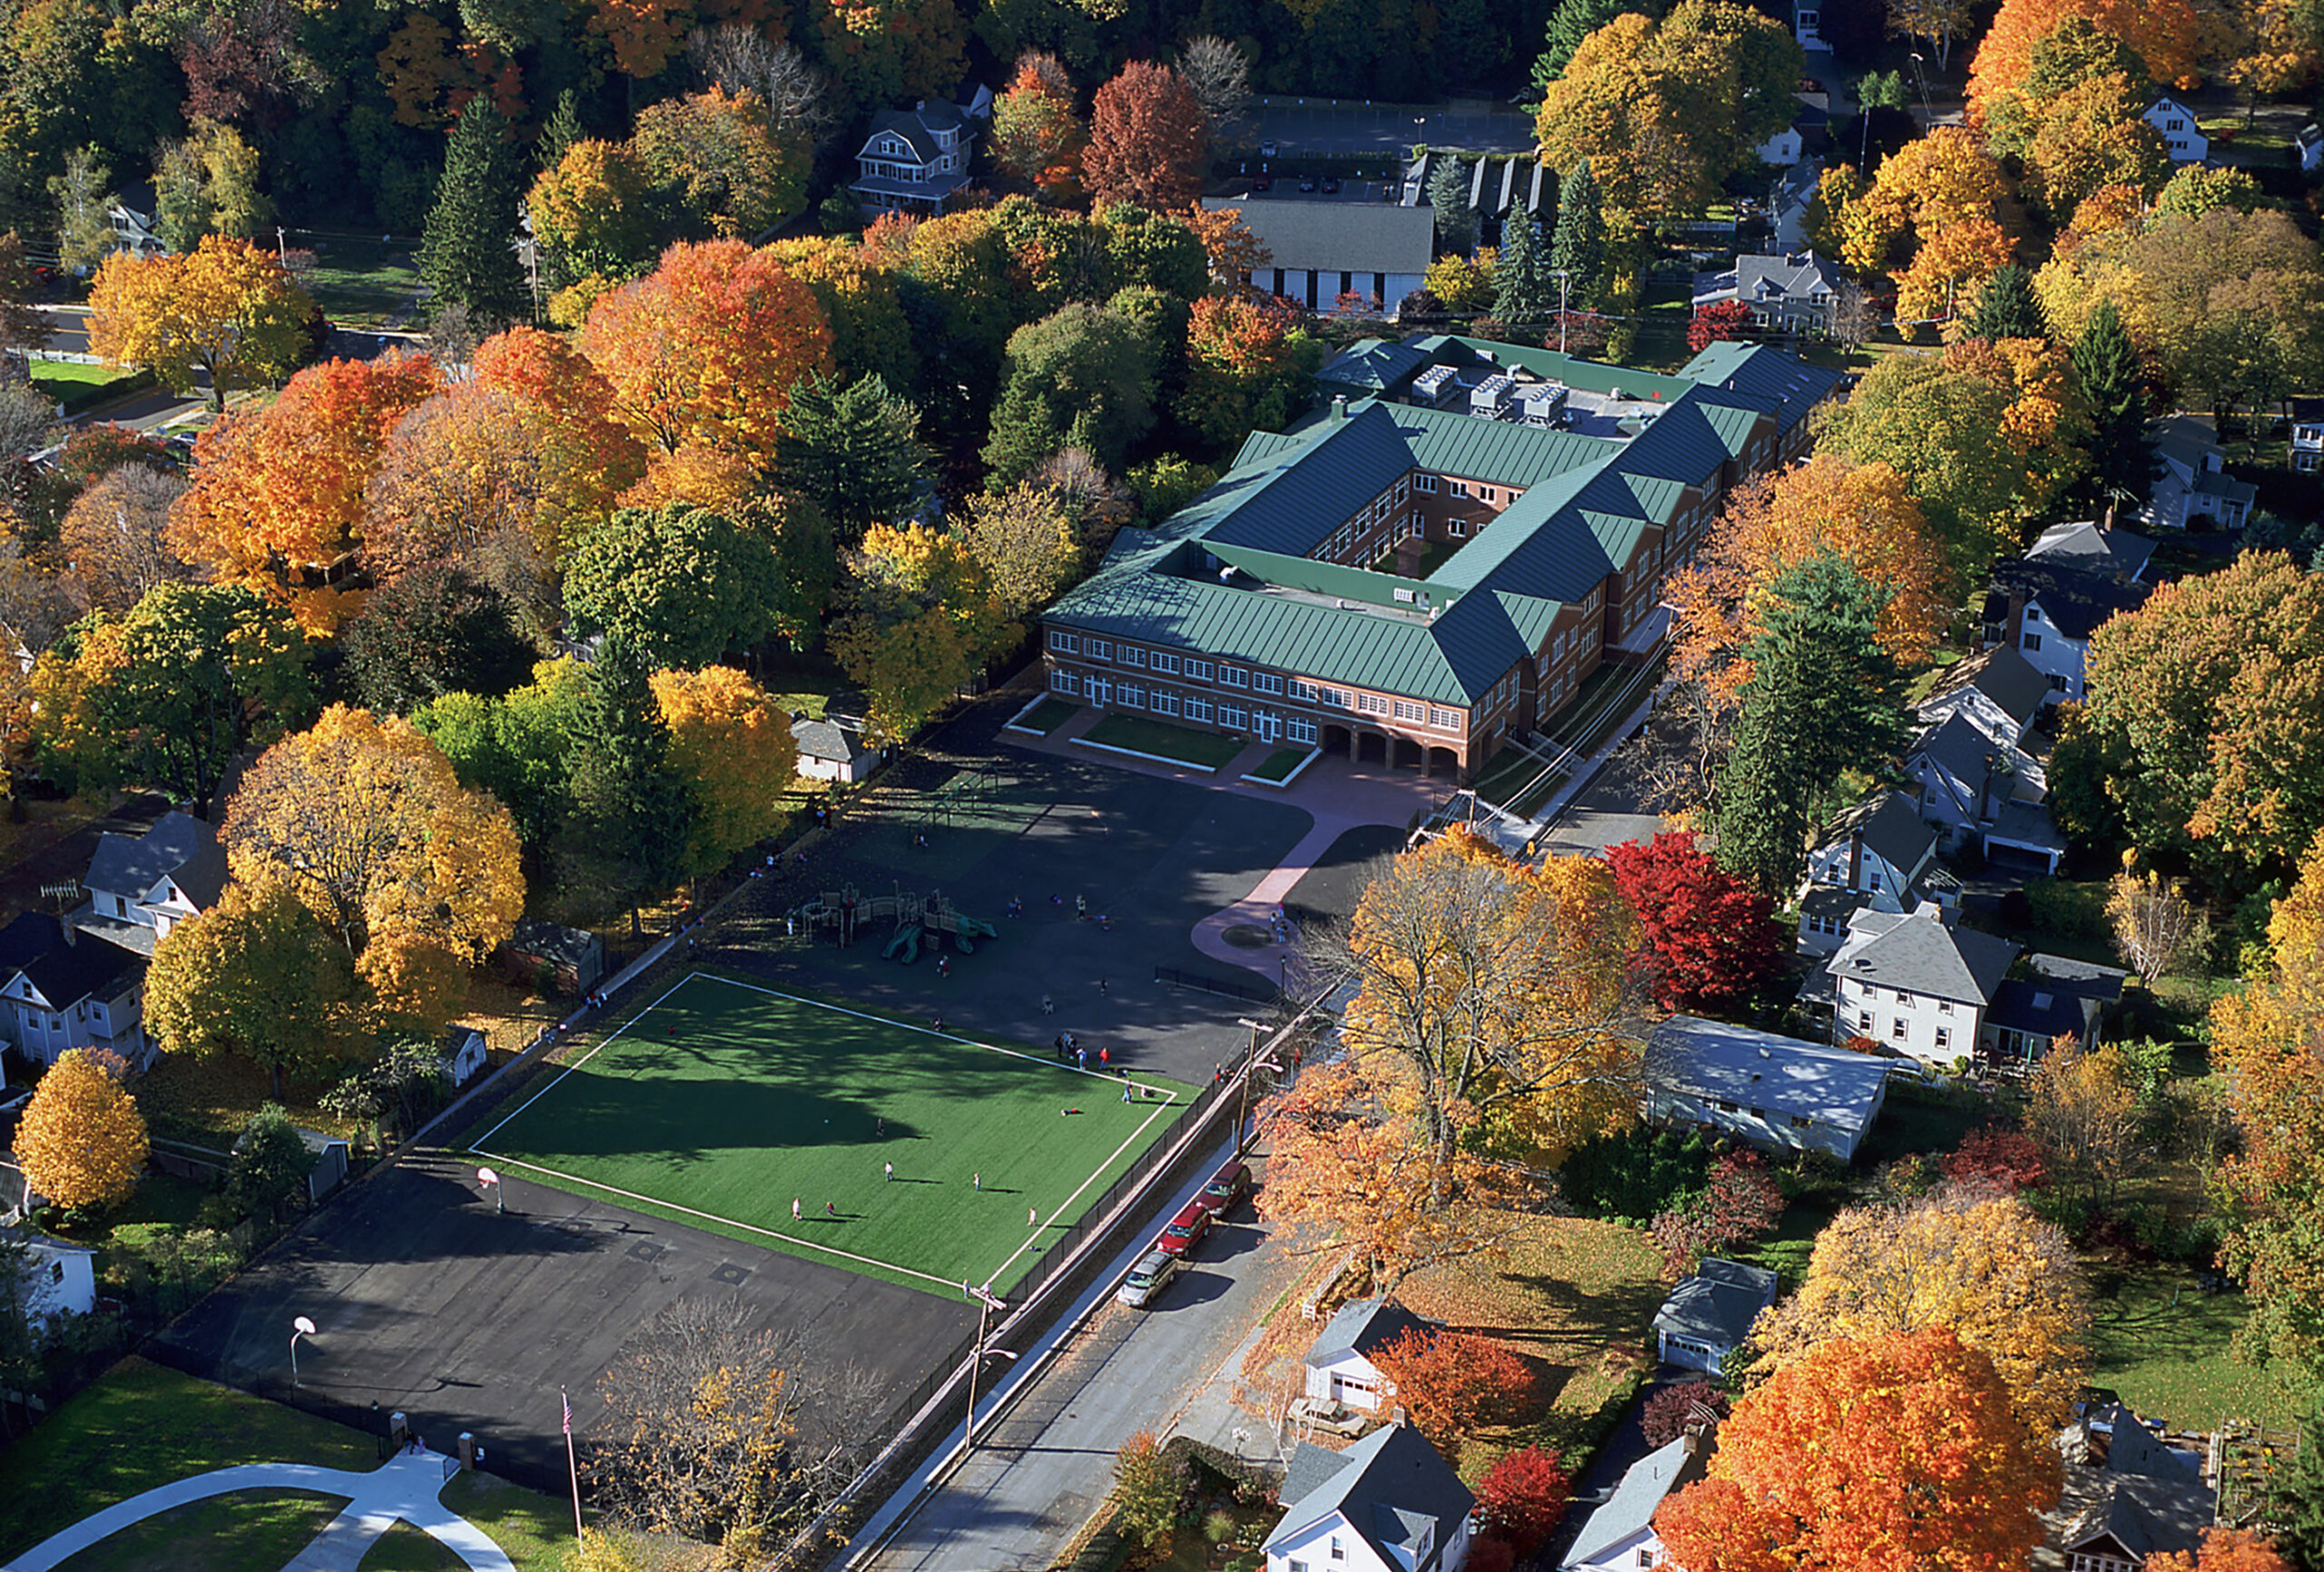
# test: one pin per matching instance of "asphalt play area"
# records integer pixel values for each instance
(923, 1157)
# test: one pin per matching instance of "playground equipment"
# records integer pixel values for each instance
(917, 919)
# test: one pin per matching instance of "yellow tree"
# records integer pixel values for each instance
(2092, 136)
(1025, 540)
(364, 821)
(256, 976)
(733, 746)
(1861, 512)
(1947, 271)
(1237, 255)
(1944, 178)
(1983, 1266)
(2081, 1108)
(81, 1141)
(925, 619)
(229, 313)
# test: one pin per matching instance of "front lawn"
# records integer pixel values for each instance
(537, 1531)
(79, 387)
(363, 283)
(237, 1533)
(2163, 1344)
(1045, 716)
(144, 1425)
(1919, 1120)
(1279, 764)
(1182, 744)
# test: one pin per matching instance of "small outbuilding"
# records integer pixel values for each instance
(833, 748)
(464, 1053)
(1339, 1363)
(57, 1279)
(1709, 1316)
(575, 957)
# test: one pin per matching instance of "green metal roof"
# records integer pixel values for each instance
(1341, 466)
(1500, 452)
(1323, 578)
(1596, 376)
(1372, 365)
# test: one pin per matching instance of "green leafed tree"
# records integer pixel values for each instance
(633, 813)
(1081, 377)
(1822, 698)
(2006, 308)
(680, 585)
(1570, 23)
(83, 197)
(466, 252)
(854, 450)
(1524, 293)
(1448, 198)
(518, 747)
(271, 1166)
(1579, 247)
(2114, 389)
(437, 630)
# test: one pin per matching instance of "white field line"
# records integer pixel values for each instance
(1169, 1101)
(713, 1217)
(575, 1065)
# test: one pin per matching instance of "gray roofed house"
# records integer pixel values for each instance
(1998, 689)
(1619, 1536)
(1709, 1316)
(1339, 1363)
(142, 886)
(1388, 1503)
(2064, 998)
(2193, 482)
(1319, 250)
(1773, 1091)
(2126, 1495)
(80, 994)
(2046, 604)
(917, 158)
(2089, 544)
(1917, 982)
(833, 748)
(1790, 292)
(1879, 847)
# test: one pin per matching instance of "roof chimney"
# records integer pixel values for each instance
(1339, 407)
(1397, 1415)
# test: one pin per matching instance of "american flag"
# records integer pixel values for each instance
(569, 1412)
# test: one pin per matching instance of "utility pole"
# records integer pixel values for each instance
(1243, 1108)
(281, 246)
(1565, 276)
(976, 1363)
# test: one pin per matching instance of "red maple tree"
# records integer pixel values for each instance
(1994, 1154)
(1453, 1382)
(1521, 1497)
(1741, 1202)
(1149, 139)
(1717, 321)
(1710, 940)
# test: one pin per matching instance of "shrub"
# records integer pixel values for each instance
(1150, 1486)
(1636, 1173)
(1669, 1410)
(1521, 1497)
(1997, 1155)
(1489, 1552)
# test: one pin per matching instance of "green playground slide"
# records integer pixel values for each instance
(907, 940)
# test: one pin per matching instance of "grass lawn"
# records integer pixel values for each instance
(1279, 764)
(360, 283)
(1916, 1121)
(77, 387)
(243, 1532)
(141, 1426)
(1047, 716)
(535, 1530)
(1574, 1297)
(1203, 750)
(206, 1101)
(2163, 1344)
(722, 1102)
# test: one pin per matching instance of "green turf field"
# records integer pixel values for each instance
(721, 1103)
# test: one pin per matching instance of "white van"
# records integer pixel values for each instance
(1148, 1279)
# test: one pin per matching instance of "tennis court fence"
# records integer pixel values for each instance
(1250, 991)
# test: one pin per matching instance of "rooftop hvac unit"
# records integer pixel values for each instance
(1488, 399)
(1543, 404)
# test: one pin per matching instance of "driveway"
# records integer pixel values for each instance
(1047, 1461)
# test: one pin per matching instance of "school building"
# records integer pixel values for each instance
(1438, 560)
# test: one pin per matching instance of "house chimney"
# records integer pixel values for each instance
(1339, 407)
(1396, 1416)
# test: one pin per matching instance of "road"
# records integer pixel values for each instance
(1317, 128)
(1044, 1465)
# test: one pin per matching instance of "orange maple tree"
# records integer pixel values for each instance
(1899, 1451)
(2166, 34)
(1453, 1382)
(1036, 134)
(707, 348)
(1149, 139)
(2222, 1551)
(277, 499)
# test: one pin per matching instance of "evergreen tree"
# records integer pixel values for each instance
(2291, 1510)
(1448, 194)
(1573, 21)
(2106, 370)
(559, 131)
(1524, 295)
(467, 252)
(2006, 308)
(633, 812)
(854, 450)
(1579, 247)
(1824, 698)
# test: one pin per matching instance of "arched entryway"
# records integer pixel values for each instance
(1371, 748)
(1407, 755)
(1337, 740)
(1443, 762)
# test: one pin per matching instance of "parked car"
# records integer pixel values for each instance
(1267, 149)
(1264, 183)
(1226, 1188)
(1307, 185)
(1331, 188)
(1183, 1229)
(1148, 1278)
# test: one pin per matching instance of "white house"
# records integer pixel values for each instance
(1339, 1364)
(1773, 1091)
(1620, 1536)
(2193, 482)
(1387, 1504)
(1974, 789)
(1998, 692)
(1321, 248)
(917, 158)
(1915, 983)
(1804, 20)
(2182, 137)
(464, 1053)
(84, 994)
(1783, 149)
(1709, 1316)
(1877, 856)
(142, 886)
(2310, 142)
(2046, 604)
(2308, 433)
(1790, 293)
(1787, 205)
(132, 215)
(56, 1279)
(833, 748)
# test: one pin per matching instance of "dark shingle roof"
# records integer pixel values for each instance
(1959, 748)
(1389, 1486)
(1919, 953)
(72, 972)
(2001, 674)
(177, 845)
(1889, 827)
(827, 739)
(552, 941)
(2144, 1514)
(1644, 1488)
(2075, 598)
(2039, 1011)
(1361, 1327)
(1719, 1304)
(27, 939)
(2085, 544)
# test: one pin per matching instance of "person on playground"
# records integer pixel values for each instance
(943, 966)
(829, 1210)
(1082, 909)
(1049, 1005)
(1032, 1217)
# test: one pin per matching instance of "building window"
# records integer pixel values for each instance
(1064, 683)
(1339, 1550)
(1233, 677)
(1101, 690)
(1944, 1038)
(1332, 698)
(1164, 704)
(1303, 689)
(1944, 1007)
(1900, 1028)
(1266, 681)
(1198, 671)
(1457, 528)
(1132, 655)
(1863, 1021)
(1645, 1558)
(1299, 729)
(2031, 642)
(1406, 710)
(1234, 717)
(1425, 485)
(1443, 719)
(1485, 494)
(1372, 703)
(1904, 999)
(1101, 649)
(1198, 708)
(1165, 663)
(1802, 1122)
(1460, 487)
(1063, 643)
(1131, 696)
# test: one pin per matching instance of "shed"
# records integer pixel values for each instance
(1339, 1364)
(1709, 1316)
(57, 1279)
(1776, 1092)
(330, 1155)
(833, 748)
(576, 957)
(464, 1053)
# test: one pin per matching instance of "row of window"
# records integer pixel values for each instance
(1234, 717)
(1904, 999)
(1900, 1029)
(1198, 670)
(1798, 1121)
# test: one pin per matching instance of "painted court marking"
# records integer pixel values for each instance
(1169, 1100)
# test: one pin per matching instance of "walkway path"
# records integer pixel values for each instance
(404, 1488)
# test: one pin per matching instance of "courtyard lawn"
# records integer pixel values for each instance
(1045, 716)
(245, 1532)
(535, 1530)
(79, 387)
(2163, 1344)
(721, 1102)
(1573, 1298)
(1279, 764)
(1181, 745)
(144, 1425)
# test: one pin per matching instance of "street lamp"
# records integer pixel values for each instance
(1921, 76)
(491, 1181)
(300, 1328)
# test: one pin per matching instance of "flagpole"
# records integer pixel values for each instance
(572, 1467)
